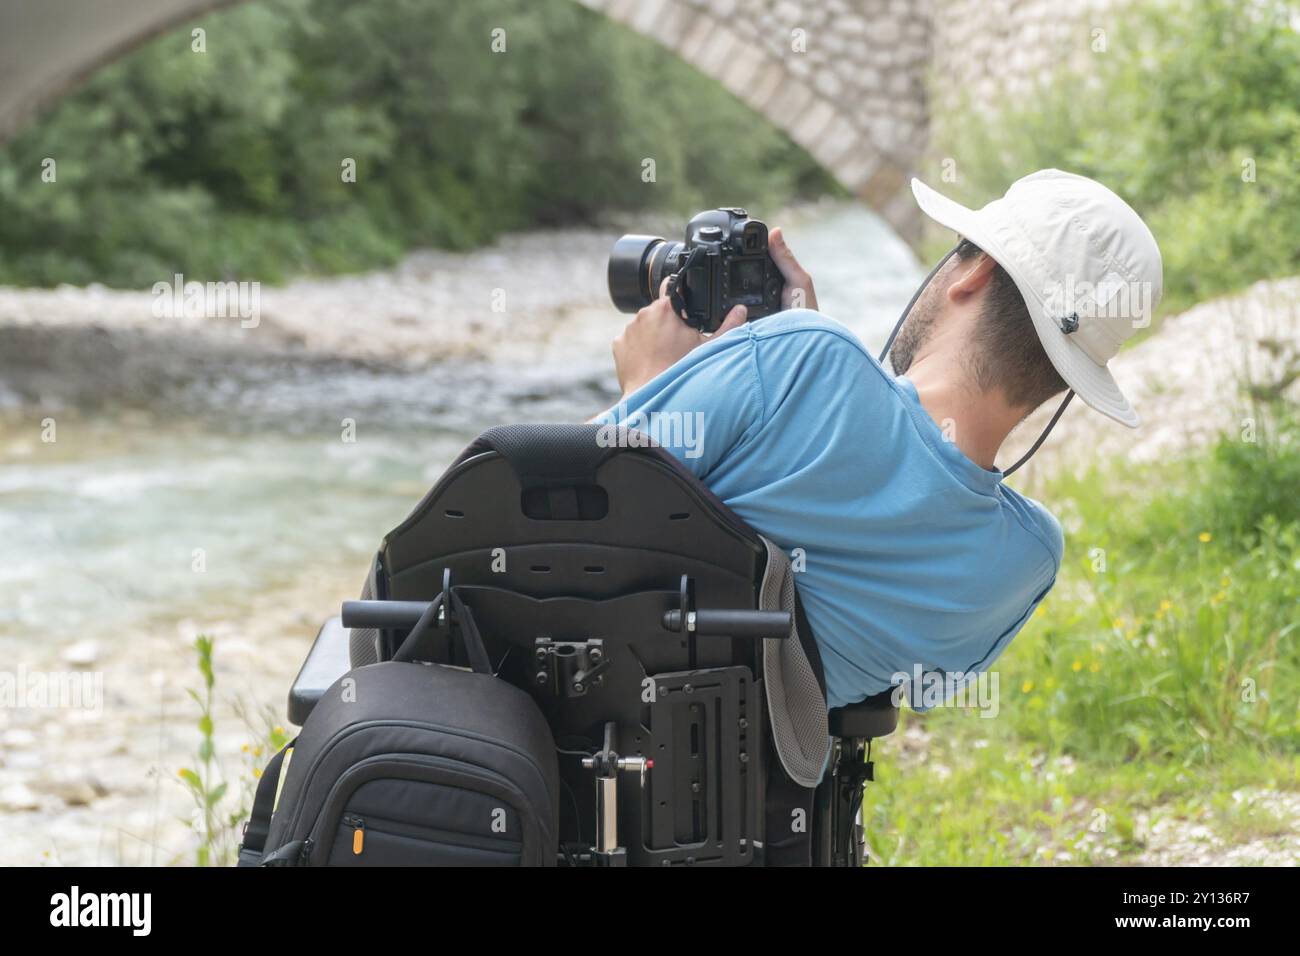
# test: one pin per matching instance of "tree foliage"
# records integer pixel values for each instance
(228, 163)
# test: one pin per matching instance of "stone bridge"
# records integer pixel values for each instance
(851, 81)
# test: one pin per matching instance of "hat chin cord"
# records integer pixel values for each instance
(889, 343)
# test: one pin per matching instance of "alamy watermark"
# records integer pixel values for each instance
(133, 911)
(1114, 297)
(928, 689)
(52, 690)
(208, 300)
(677, 430)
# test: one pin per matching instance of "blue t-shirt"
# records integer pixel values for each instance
(908, 552)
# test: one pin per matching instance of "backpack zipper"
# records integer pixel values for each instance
(358, 826)
(330, 809)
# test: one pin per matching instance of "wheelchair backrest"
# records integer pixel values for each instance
(580, 519)
(569, 543)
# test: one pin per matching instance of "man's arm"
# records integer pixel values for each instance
(698, 396)
(656, 339)
(701, 407)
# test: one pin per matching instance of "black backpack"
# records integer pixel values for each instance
(411, 764)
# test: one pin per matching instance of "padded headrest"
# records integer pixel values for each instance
(547, 452)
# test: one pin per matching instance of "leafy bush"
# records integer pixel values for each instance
(228, 163)
(1192, 114)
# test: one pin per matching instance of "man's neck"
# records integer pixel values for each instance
(976, 421)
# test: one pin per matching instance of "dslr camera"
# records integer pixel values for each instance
(723, 263)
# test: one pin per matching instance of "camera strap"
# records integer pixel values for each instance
(675, 281)
(1056, 417)
(907, 309)
(889, 343)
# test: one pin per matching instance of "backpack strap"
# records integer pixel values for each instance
(418, 645)
(258, 827)
(291, 854)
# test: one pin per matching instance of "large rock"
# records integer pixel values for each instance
(18, 798)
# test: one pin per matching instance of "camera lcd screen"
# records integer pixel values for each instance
(747, 281)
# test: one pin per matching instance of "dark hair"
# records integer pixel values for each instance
(1008, 353)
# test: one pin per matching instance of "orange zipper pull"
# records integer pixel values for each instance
(358, 835)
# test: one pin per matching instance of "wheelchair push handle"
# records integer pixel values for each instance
(424, 619)
(761, 625)
(394, 614)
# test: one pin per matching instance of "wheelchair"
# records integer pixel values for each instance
(660, 635)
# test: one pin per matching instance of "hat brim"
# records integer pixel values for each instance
(1091, 382)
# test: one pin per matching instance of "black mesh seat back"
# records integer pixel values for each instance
(558, 533)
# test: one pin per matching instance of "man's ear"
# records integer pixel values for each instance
(970, 278)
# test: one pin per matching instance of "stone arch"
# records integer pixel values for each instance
(845, 79)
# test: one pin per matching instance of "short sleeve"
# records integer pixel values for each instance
(700, 408)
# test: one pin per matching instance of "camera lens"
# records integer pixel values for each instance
(637, 266)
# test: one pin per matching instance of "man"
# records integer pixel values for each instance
(914, 552)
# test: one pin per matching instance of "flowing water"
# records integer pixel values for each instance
(239, 480)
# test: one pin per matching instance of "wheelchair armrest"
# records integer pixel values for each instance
(874, 717)
(327, 661)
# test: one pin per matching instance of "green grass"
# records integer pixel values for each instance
(976, 795)
(1159, 677)
(219, 810)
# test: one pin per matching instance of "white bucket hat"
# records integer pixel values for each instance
(1087, 265)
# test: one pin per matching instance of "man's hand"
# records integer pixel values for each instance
(798, 292)
(656, 338)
